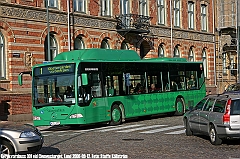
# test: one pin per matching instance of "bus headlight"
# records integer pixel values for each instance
(36, 118)
(76, 116)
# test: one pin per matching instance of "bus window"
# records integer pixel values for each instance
(192, 82)
(96, 89)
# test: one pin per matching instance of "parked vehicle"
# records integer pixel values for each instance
(233, 88)
(19, 139)
(217, 116)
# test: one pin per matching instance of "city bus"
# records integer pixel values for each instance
(109, 86)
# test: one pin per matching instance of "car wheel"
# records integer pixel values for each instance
(116, 115)
(214, 139)
(188, 131)
(6, 148)
(179, 106)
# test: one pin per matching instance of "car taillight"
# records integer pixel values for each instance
(226, 116)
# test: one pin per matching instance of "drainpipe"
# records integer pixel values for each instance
(171, 27)
(214, 40)
(48, 35)
(69, 32)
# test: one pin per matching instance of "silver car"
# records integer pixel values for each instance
(19, 139)
(217, 116)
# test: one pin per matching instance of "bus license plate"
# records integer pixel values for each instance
(55, 123)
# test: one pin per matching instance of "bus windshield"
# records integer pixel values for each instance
(53, 86)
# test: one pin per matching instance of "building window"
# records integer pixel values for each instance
(105, 44)
(124, 46)
(190, 15)
(204, 58)
(51, 3)
(125, 7)
(160, 51)
(176, 52)
(176, 8)
(143, 7)
(78, 43)
(79, 6)
(106, 7)
(204, 17)
(224, 63)
(161, 11)
(191, 55)
(2, 58)
(53, 48)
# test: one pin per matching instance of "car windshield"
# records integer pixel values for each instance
(233, 87)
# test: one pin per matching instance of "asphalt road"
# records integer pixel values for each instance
(155, 138)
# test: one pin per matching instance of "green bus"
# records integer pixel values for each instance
(104, 85)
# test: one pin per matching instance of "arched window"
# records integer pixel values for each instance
(2, 58)
(53, 48)
(204, 58)
(160, 51)
(124, 46)
(191, 54)
(176, 52)
(105, 44)
(78, 43)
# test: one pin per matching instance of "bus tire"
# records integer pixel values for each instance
(179, 107)
(116, 115)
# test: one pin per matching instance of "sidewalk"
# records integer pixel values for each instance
(41, 128)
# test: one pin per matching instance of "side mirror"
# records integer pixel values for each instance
(84, 79)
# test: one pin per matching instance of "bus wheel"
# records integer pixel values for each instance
(179, 106)
(116, 115)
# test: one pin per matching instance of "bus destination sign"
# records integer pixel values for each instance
(54, 69)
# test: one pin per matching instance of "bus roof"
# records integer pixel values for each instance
(166, 59)
(98, 54)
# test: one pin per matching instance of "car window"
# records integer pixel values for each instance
(208, 106)
(235, 107)
(200, 105)
(219, 106)
(233, 87)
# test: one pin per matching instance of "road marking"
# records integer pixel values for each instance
(176, 132)
(122, 127)
(163, 129)
(142, 128)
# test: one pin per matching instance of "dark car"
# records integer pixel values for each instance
(19, 139)
(233, 88)
(217, 116)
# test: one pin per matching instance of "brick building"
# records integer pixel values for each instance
(153, 28)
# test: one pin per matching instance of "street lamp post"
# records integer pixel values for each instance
(48, 33)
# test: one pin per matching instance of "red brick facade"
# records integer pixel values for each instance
(24, 28)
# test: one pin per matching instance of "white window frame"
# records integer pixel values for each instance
(176, 52)
(204, 17)
(191, 15)
(105, 44)
(204, 58)
(224, 55)
(106, 7)
(2, 58)
(125, 7)
(79, 43)
(176, 9)
(161, 51)
(161, 11)
(143, 7)
(52, 3)
(80, 5)
(191, 55)
(124, 46)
